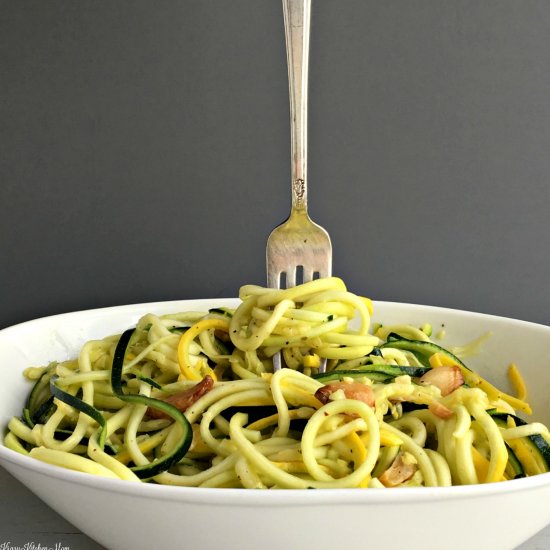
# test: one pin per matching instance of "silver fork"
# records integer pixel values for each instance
(298, 250)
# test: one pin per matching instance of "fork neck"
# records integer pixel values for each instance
(297, 15)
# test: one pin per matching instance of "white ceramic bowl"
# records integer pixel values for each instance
(127, 515)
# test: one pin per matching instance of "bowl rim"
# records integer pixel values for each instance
(235, 300)
(209, 496)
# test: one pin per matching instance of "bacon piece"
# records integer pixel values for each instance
(352, 390)
(186, 398)
(447, 379)
(400, 471)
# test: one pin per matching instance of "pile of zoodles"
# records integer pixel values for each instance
(191, 399)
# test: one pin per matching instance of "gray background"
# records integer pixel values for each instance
(144, 155)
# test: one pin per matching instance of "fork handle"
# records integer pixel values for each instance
(297, 15)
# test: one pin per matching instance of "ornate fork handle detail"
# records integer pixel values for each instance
(299, 193)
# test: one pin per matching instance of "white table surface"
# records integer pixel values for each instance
(25, 519)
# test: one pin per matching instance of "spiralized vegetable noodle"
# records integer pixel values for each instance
(191, 399)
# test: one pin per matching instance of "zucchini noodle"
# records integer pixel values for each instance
(191, 399)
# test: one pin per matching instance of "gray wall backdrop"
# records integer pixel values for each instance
(145, 150)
